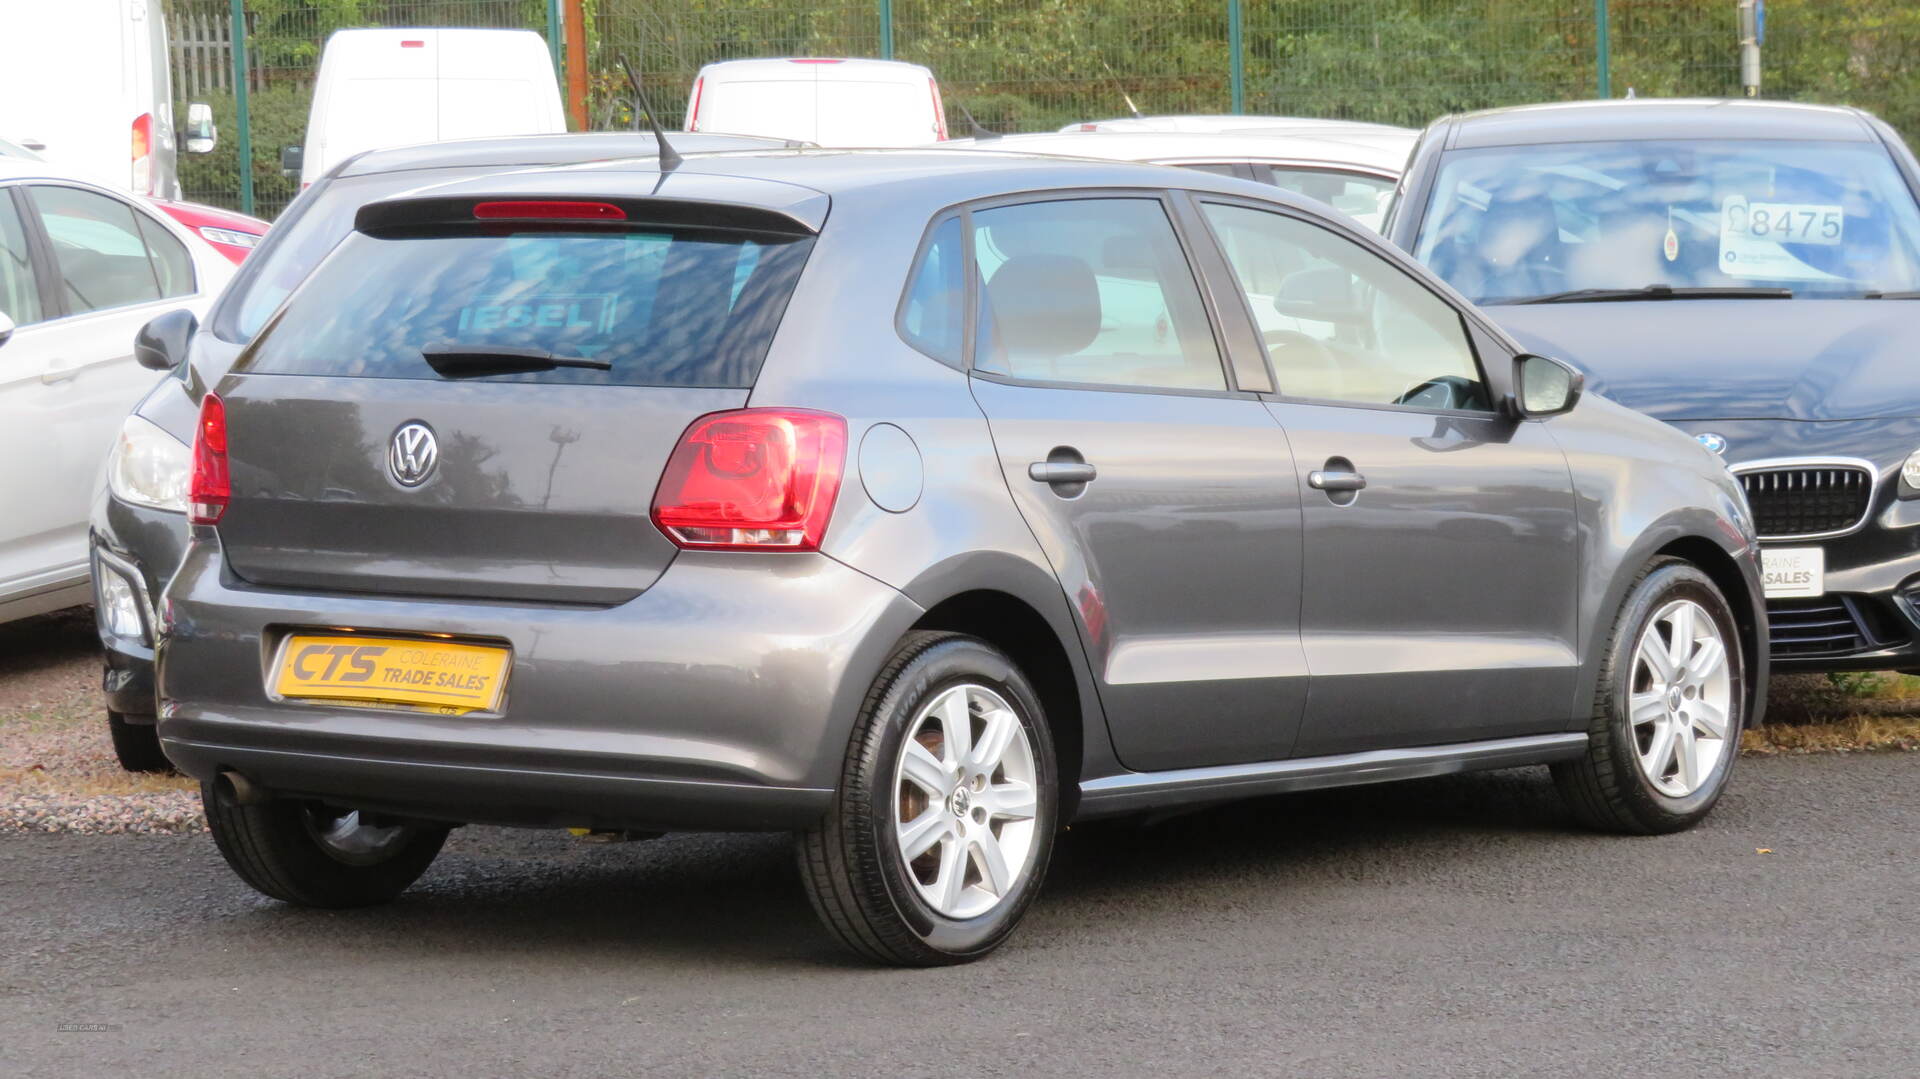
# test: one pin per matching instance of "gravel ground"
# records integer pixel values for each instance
(57, 769)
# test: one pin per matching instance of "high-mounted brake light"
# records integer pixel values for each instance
(754, 479)
(211, 486)
(548, 210)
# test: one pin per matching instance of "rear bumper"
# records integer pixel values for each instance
(721, 698)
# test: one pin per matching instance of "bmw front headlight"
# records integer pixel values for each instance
(1910, 476)
(149, 467)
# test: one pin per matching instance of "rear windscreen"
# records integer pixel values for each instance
(656, 308)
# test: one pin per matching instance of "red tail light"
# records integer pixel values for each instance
(211, 487)
(754, 479)
(548, 210)
(142, 150)
(693, 110)
(939, 111)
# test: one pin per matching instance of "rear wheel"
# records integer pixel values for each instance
(314, 855)
(943, 825)
(137, 745)
(1668, 712)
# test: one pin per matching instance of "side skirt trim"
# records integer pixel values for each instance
(1135, 791)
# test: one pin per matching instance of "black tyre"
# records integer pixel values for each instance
(1668, 711)
(137, 745)
(944, 822)
(313, 855)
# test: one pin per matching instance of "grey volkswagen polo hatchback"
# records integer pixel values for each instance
(917, 503)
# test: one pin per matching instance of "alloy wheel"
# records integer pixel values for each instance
(1680, 698)
(965, 801)
(348, 837)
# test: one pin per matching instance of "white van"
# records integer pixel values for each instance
(380, 88)
(824, 101)
(85, 84)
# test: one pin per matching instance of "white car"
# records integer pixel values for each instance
(1354, 171)
(380, 88)
(821, 100)
(86, 84)
(82, 268)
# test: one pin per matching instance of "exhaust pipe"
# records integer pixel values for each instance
(240, 790)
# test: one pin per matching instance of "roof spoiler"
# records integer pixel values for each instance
(402, 217)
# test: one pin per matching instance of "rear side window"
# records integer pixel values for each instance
(97, 246)
(660, 308)
(1093, 291)
(930, 318)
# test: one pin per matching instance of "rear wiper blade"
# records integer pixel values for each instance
(1655, 292)
(1877, 294)
(475, 361)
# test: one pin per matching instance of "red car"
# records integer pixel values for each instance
(232, 234)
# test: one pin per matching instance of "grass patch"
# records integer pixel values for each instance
(1851, 735)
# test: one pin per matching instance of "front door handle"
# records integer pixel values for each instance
(1062, 472)
(1336, 481)
(59, 371)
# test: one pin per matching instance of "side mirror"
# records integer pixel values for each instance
(6, 328)
(1544, 386)
(161, 345)
(291, 159)
(200, 132)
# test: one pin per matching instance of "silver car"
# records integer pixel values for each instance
(918, 503)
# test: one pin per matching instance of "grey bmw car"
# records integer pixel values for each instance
(916, 503)
(1744, 270)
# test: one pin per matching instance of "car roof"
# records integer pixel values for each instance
(802, 184)
(1657, 118)
(1215, 123)
(787, 67)
(1370, 152)
(24, 168)
(559, 148)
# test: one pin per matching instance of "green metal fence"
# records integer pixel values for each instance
(1038, 64)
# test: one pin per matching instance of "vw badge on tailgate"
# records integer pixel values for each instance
(412, 454)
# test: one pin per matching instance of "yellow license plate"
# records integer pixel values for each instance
(437, 676)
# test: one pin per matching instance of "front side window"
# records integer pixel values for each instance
(1093, 291)
(1343, 324)
(1823, 219)
(666, 307)
(101, 258)
(19, 292)
(1361, 197)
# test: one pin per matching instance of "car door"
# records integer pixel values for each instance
(1439, 553)
(1162, 493)
(70, 379)
(27, 568)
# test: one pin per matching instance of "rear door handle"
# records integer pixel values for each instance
(59, 371)
(1062, 472)
(1336, 481)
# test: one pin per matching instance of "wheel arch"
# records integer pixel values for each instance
(1029, 621)
(1704, 545)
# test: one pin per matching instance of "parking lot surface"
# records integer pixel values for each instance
(1446, 927)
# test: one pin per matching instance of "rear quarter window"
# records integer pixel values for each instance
(661, 308)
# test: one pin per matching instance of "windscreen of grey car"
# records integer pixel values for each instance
(658, 308)
(1824, 219)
